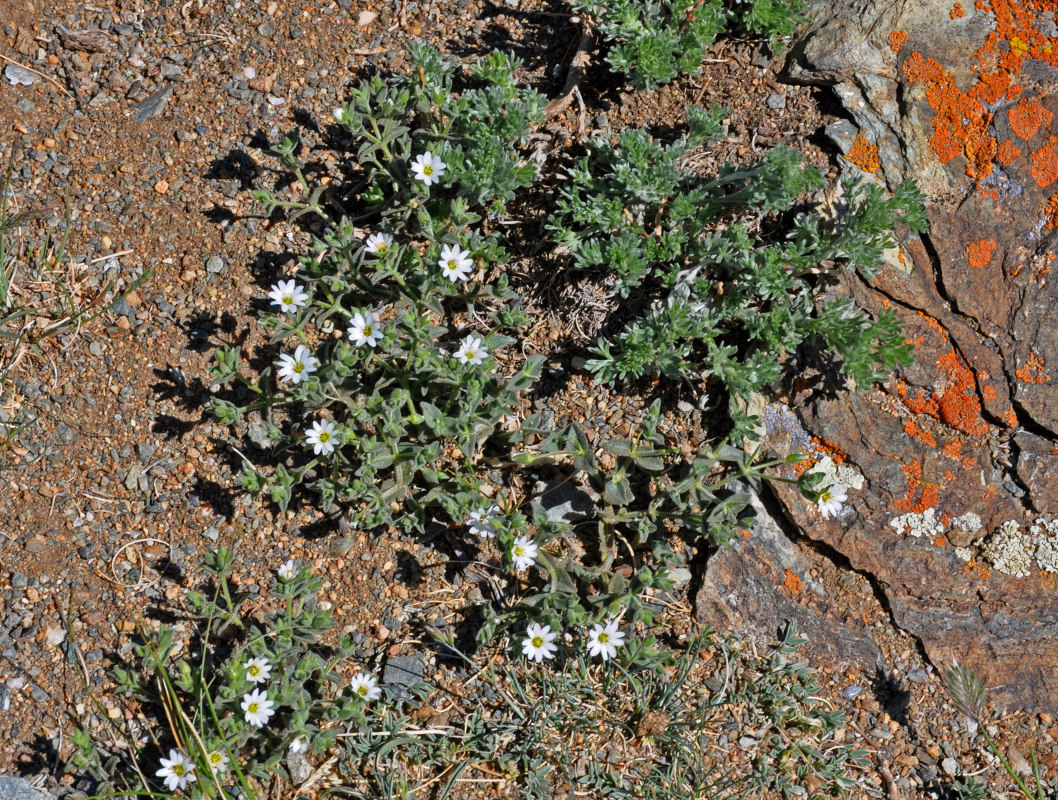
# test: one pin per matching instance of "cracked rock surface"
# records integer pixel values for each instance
(958, 451)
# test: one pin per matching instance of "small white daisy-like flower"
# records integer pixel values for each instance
(365, 685)
(455, 263)
(539, 643)
(258, 670)
(379, 243)
(323, 436)
(177, 771)
(428, 168)
(471, 350)
(831, 501)
(297, 368)
(289, 296)
(604, 640)
(288, 570)
(523, 553)
(481, 522)
(257, 707)
(300, 744)
(364, 329)
(218, 761)
(339, 114)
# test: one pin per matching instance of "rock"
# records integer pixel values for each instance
(20, 75)
(404, 671)
(566, 503)
(748, 587)
(972, 424)
(171, 71)
(776, 101)
(950, 766)
(12, 788)
(154, 105)
(215, 264)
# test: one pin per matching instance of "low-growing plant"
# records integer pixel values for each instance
(390, 332)
(722, 303)
(655, 41)
(245, 700)
(970, 697)
(645, 495)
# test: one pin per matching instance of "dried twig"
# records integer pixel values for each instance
(578, 66)
(887, 778)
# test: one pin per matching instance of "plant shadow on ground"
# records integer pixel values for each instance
(546, 43)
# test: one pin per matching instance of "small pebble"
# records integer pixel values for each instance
(950, 766)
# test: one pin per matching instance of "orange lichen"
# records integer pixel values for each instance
(1026, 118)
(960, 124)
(940, 541)
(837, 455)
(897, 39)
(988, 393)
(792, 582)
(979, 253)
(1045, 165)
(864, 155)
(957, 11)
(952, 448)
(1007, 152)
(1032, 371)
(930, 492)
(912, 430)
(973, 566)
(1050, 213)
(959, 405)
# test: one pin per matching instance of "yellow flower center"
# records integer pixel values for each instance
(299, 367)
(255, 671)
(517, 551)
(369, 331)
(362, 691)
(538, 641)
(215, 759)
(427, 169)
(452, 264)
(253, 708)
(604, 638)
(288, 300)
(324, 436)
(469, 353)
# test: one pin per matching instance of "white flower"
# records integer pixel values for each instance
(177, 771)
(297, 368)
(322, 436)
(523, 552)
(539, 643)
(604, 641)
(258, 670)
(339, 114)
(288, 570)
(428, 168)
(365, 330)
(366, 686)
(379, 243)
(455, 263)
(470, 351)
(258, 707)
(300, 744)
(219, 762)
(481, 522)
(289, 296)
(832, 500)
